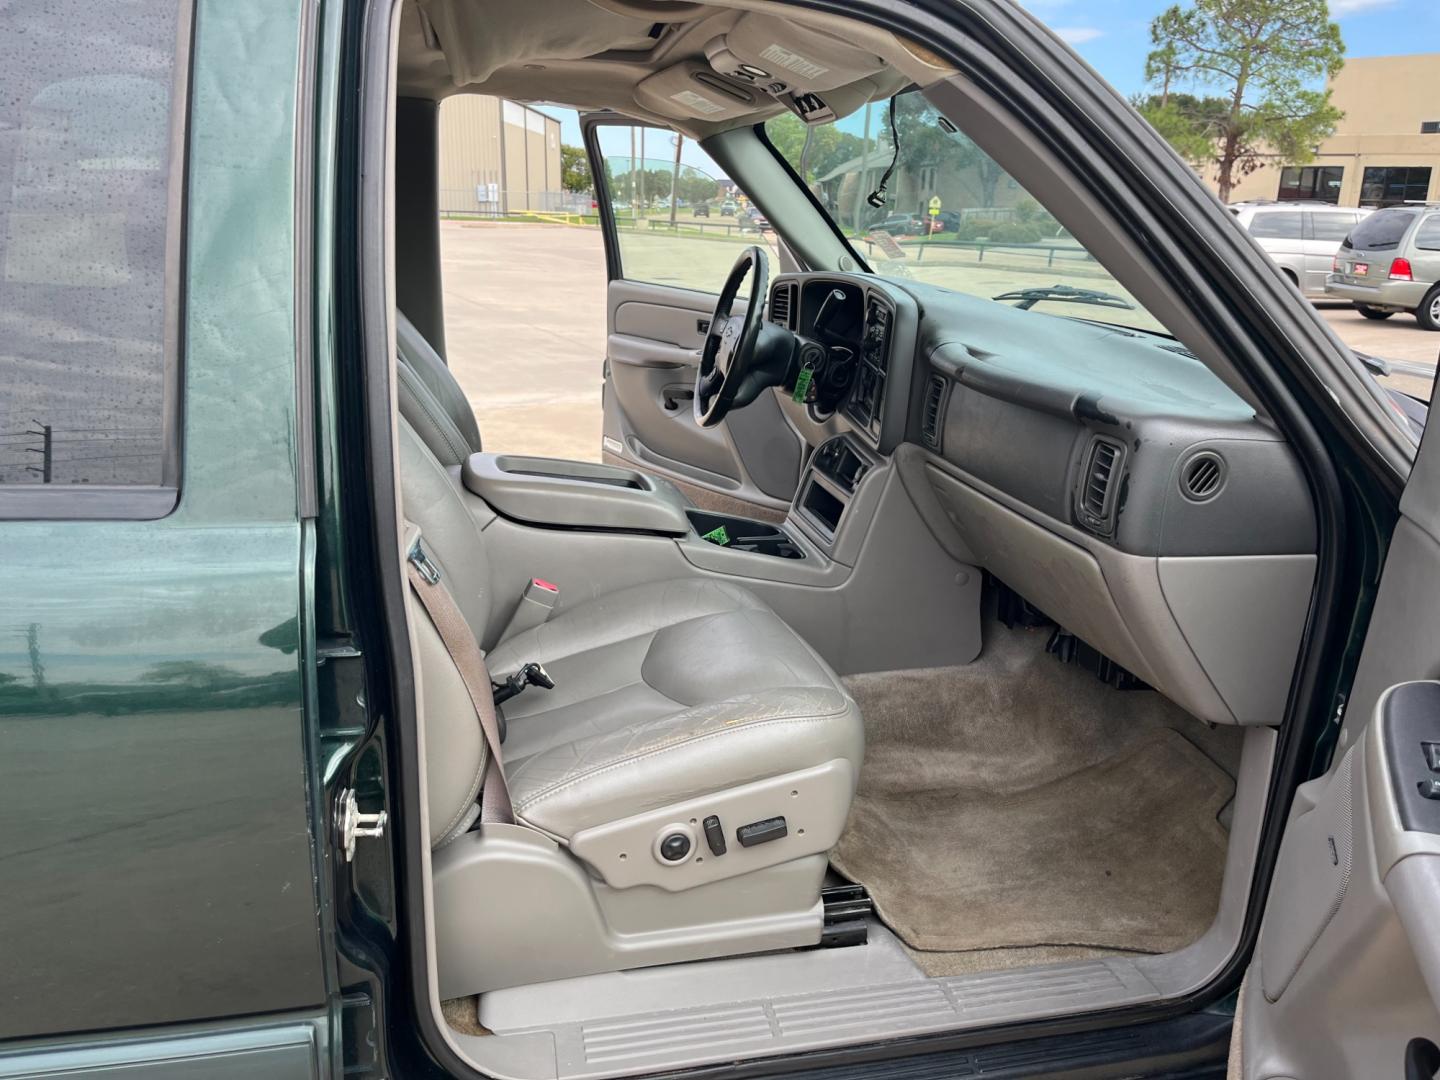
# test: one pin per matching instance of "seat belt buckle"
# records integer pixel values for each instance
(536, 605)
(532, 674)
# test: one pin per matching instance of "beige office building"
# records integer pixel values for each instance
(1385, 151)
(498, 157)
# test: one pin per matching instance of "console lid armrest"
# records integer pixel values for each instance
(576, 494)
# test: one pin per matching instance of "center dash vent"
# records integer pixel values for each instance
(1202, 476)
(934, 409)
(782, 304)
(1098, 495)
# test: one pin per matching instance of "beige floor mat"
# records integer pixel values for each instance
(1125, 853)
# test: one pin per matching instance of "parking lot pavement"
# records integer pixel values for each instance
(1412, 352)
(525, 333)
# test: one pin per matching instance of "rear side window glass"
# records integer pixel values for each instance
(1427, 236)
(86, 146)
(1334, 227)
(1277, 225)
(1381, 230)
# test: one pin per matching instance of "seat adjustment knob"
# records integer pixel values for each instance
(675, 847)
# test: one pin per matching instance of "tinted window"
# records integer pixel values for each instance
(1312, 182)
(1381, 230)
(1427, 236)
(85, 138)
(1331, 226)
(1282, 225)
(1388, 186)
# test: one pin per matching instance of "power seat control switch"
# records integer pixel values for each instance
(1432, 756)
(761, 832)
(714, 835)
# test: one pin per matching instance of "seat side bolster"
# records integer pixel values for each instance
(429, 419)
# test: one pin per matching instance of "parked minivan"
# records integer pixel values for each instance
(1301, 237)
(1391, 263)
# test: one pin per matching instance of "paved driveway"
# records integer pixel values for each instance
(525, 332)
(1413, 352)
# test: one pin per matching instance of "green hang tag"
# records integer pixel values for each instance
(802, 382)
(717, 535)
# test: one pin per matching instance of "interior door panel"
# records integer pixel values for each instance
(652, 350)
(1346, 979)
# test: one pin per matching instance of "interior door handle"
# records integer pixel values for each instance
(672, 396)
(702, 325)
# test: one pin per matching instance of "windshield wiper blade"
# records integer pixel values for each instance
(1028, 298)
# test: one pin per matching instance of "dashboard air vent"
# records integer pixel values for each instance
(934, 408)
(1202, 476)
(1100, 485)
(782, 304)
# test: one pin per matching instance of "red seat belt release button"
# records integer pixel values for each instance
(536, 605)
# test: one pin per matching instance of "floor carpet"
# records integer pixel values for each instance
(1018, 806)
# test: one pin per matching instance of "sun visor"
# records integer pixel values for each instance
(781, 57)
(692, 91)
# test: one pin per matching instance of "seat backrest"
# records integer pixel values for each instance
(434, 501)
(431, 400)
(433, 498)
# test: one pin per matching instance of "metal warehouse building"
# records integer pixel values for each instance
(497, 157)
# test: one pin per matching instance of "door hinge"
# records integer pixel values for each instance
(351, 824)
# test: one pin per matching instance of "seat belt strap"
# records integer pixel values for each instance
(464, 650)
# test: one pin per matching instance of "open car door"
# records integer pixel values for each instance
(1345, 980)
(674, 226)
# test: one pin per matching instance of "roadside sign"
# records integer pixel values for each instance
(886, 243)
(934, 205)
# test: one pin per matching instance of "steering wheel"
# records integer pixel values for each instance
(726, 378)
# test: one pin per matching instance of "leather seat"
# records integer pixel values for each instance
(664, 691)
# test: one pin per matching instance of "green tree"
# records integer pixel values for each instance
(925, 143)
(829, 146)
(574, 169)
(1192, 125)
(1262, 57)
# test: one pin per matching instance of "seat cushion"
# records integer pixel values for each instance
(664, 691)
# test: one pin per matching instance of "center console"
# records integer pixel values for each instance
(829, 485)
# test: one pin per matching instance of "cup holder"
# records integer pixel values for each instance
(743, 534)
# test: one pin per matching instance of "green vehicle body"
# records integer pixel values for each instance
(159, 863)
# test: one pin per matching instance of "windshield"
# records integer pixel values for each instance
(951, 216)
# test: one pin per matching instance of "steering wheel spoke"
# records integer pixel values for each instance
(729, 350)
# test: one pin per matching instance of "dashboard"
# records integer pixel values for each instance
(867, 334)
(1103, 473)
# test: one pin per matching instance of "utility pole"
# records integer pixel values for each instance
(642, 167)
(675, 177)
(45, 451)
(632, 173)
(37, 666)
(862, 180)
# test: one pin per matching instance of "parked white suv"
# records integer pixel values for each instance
(1302, 237)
